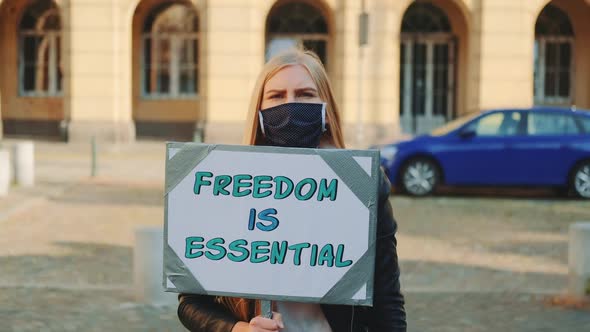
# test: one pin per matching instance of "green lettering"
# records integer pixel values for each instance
(258, 185)
(326, 255)
(239, 184)
(314, 255)
(191, 245)
(200, 181)
(297, 254)
(256, 250)
(328, 190)
(238, 246)
(339, 254)
(214, 244)
(279, 180)
(221, 181)
(278, 252)
(299, 188)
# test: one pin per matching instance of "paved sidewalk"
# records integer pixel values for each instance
(468, 264)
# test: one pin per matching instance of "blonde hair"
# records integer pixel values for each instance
(244, 309)
(313, 65)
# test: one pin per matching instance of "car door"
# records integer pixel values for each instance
(584, 123)
(545, 155)
(477, 154)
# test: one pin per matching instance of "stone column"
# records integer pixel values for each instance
(233, 55)
(382, 72)
(345, 70)
(24, 163)
(97, 94)
(579, 259)
(5, 167)
(1, 124)
(148, 263)
(367, 84)
(502, 53)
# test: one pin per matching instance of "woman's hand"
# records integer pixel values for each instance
(261, 324)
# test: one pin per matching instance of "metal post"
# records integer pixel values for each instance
(363, 41)
(359, 115)
(93, 166)
(199, 132)
(266, 308)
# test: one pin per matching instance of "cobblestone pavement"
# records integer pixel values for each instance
(468, 264)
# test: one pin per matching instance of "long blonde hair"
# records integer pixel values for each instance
(244, 309)
(313, 65)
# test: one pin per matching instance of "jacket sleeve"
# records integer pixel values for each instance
(388, 313)
(200, 313)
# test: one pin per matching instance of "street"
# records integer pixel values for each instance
(468, 263)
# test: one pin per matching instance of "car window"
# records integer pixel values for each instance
(585, 121)
(498, 124)
(452, 125)
(544, 124)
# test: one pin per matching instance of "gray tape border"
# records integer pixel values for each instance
(327, 298)
(173, 268)
(165, 244)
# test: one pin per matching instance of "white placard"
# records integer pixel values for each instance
(260, 223)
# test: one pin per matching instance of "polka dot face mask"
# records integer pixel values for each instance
(298, 125)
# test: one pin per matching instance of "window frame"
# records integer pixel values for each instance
(553, 26)
(176, 67)
(579, 119)
(430, 40)
(571, 116)
(520, 126)
(300, 37)
(540, 70)
(54, 61)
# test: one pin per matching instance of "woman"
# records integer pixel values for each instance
(293, 105)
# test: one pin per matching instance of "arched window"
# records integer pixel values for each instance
(554, 43)
(425, 18)
(427, 67)
(297, 24)
(40, 69)
(170, 52)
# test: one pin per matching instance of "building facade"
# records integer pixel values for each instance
(126, 69)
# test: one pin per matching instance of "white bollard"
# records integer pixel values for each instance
(4, 172)
(148, 265)
(24, 163)
(579, 259)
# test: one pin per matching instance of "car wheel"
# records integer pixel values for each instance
(420, 177)
(580, 182)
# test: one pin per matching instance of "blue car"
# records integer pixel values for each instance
(512, 147)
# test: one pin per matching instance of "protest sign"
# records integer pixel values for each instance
(271, 223)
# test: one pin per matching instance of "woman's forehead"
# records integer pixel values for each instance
(290, 77)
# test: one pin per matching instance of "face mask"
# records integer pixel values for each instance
(297, 125)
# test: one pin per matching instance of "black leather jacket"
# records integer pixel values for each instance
(202, 313)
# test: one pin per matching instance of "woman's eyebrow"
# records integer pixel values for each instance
(307, 89)
(274, 91)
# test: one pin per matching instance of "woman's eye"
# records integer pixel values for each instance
(274, 96)
(308, 95)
